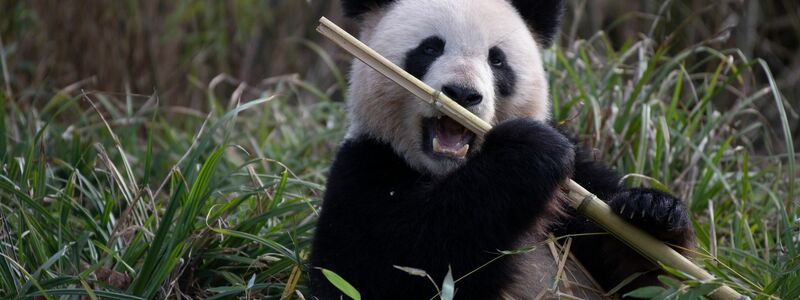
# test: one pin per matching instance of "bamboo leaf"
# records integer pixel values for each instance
(645, 292)
(341, 284)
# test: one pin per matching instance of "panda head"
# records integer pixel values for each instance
(484, 54)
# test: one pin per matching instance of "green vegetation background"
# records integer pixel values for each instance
(165, 149)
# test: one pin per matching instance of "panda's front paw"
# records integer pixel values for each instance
(657, 213)
(532, 146)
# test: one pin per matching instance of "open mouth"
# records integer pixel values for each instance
(444, 137)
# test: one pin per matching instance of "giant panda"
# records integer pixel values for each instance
(412, 188)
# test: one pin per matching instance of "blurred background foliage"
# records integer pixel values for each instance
(177, 47)
(115, 109)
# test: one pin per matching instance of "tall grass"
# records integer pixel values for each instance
(651, 112)
(128, 196)
(125, 202)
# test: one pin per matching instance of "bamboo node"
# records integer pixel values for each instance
(585, 202)
(435, 99)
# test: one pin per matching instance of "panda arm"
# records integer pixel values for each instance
(488, 203)
(378, 213)
(609, 260)
(492, 193)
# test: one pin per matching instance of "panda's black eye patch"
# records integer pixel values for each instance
(497, 57)
(504, 77)
(419, 59)
(432, 50)
(433, 46)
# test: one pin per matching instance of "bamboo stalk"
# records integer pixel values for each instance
(580, 199)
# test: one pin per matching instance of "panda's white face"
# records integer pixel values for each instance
(478, 52)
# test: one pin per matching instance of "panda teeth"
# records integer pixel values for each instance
(461, 152)
(436, 146)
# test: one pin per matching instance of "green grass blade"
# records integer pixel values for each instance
(787, 135)
(157, 247)
(83, 292)
(341, 284)
(4, 150)
(50, 261)
(270, 244)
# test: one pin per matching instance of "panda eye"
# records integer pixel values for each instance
(496, 62)
(430, 50)
(497, 58)
(432, 46)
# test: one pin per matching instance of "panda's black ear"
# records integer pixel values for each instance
(543, 16)
(356, 8)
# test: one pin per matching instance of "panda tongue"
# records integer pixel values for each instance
(449, 133)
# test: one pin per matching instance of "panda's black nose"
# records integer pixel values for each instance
(462, 95)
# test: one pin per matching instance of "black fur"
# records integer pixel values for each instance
(505, 80)
(356, 8)
(607, 259)
(419, 59)
(378, 212)
(660, 214)
(543, 16)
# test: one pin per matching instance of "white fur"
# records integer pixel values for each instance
(382, 109)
